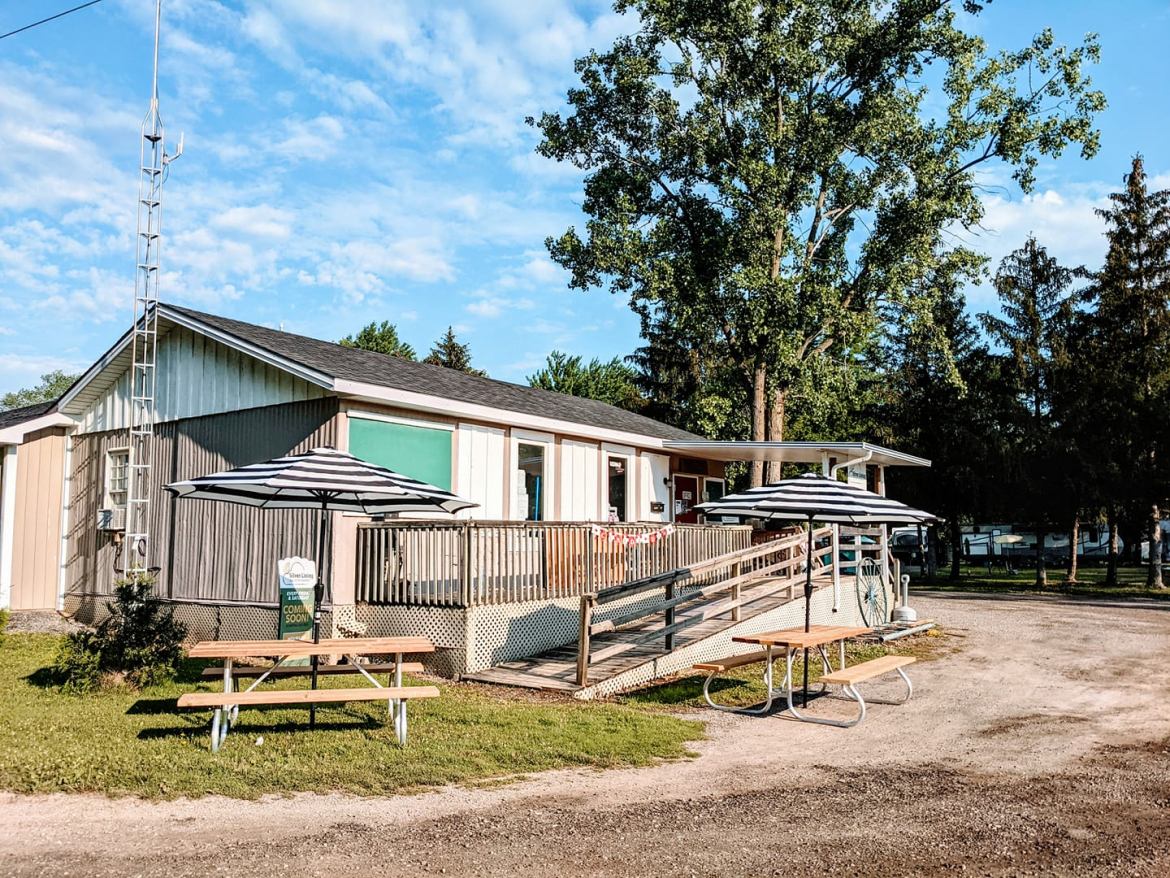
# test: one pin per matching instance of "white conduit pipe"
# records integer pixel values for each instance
(837, 535)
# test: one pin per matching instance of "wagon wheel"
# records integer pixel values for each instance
(871, 593)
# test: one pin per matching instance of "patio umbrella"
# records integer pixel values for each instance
(325, 479)
(815, 497)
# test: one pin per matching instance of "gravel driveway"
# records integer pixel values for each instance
(1040, 746)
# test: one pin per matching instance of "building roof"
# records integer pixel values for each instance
(360, 373)
(12, 417)
(796, 452)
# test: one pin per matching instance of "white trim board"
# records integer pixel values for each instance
(456, 408)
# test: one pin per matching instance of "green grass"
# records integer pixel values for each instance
(1090, 582)
(744, 686)
(124, 743)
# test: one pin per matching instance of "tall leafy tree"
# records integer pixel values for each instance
(381, 338)
(1033, 290)
(1130, 296)
(611, 381)
(52, 386)
(450, 354)
(770, 171)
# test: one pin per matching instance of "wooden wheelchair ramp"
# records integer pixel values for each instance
(642, 630)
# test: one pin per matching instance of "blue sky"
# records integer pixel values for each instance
(367, 160)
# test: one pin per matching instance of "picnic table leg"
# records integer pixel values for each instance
(398, 705)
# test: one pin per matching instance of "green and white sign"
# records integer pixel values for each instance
(297, 578)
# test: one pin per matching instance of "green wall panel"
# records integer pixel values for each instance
(419, 452)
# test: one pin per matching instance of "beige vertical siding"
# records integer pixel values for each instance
(199, 376)
(36, 557)
(204, 550)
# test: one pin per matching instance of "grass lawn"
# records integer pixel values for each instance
(1090, 582)
(119, 742)
(744, 686)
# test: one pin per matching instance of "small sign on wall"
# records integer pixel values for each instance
(855, 476)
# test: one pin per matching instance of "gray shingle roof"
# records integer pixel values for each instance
(354, 364)
(12, 417)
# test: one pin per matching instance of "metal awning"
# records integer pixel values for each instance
(793, 452)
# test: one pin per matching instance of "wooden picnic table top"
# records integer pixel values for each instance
(797, 638)
(340, 645)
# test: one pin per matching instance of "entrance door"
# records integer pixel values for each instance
(686, 494)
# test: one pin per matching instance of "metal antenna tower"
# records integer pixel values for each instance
(154, 160)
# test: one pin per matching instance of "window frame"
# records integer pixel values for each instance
(516, 438)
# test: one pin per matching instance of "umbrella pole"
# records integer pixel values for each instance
(318, 594)
(808, 591)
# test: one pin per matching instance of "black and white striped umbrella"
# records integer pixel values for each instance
(816, 497)
(323, 478)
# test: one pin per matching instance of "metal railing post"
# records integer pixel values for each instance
(736, 589)
(668, 621)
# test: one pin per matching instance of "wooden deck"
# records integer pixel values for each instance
(615, 653)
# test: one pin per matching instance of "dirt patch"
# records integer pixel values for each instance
(41, 622)
(1001, 764)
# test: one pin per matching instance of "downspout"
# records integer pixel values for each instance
(7, 522)
(832, 474)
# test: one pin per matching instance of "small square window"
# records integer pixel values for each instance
(117, 479)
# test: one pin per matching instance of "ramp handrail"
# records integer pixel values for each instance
(726, 573)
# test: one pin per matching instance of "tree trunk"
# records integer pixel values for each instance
(1041, 570)
(1111, 567)
(759, 410)
(776, 409)
(956, 547)
(1074, 543)
(1154, 535)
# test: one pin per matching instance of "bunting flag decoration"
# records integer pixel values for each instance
(632, 539)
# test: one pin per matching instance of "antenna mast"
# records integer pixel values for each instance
(153, 164)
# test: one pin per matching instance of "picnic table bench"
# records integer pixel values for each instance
(797, 638)
(226, 704)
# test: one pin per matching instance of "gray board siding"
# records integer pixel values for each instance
(205, 550)
(354, 364)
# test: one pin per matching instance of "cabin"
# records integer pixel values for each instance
(575, 497)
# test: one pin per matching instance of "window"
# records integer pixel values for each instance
(531, 460)
(712, 489)
(617, 469)
(117, 478)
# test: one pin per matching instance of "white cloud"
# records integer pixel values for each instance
(4, 330)
(494, 306)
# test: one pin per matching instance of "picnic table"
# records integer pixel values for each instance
(816, 637)
(226, 704)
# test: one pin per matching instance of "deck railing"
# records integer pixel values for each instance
(768, 568)
(471, 563)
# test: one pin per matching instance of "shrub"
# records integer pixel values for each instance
(139, 643)
(3, 623)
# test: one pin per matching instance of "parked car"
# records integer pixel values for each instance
(905, 547)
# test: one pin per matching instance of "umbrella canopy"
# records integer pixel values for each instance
(323, 478)
(816, 497)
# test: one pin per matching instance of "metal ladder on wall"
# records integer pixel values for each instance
(144, 344)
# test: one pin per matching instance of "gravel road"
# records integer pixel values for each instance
(1039, 746)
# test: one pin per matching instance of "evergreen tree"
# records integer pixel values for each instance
(382, 339)
(1033, 296)
(450, 354)
(1130, 366)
